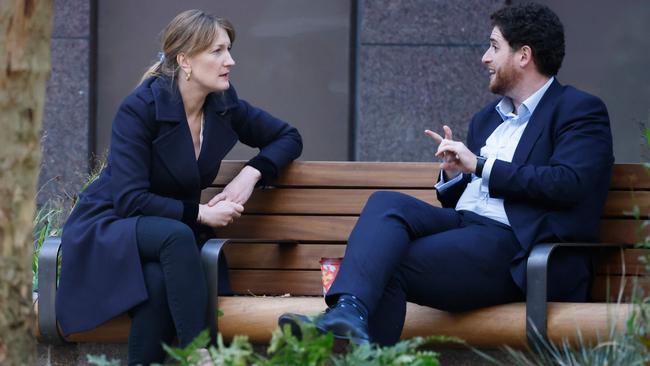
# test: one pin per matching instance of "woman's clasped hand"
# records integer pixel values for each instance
(220, 214)
(227, 205)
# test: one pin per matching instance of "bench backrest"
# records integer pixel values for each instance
(317, 203)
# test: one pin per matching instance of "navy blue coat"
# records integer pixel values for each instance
(152, 171)
(555, 187)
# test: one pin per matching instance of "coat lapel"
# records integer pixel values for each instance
(541, 118)
(218, 136)
(174, 142)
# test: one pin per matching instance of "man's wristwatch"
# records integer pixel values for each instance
(480, 162)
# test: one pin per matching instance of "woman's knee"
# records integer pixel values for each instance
(178, 231)
(164, 232)
(165, 227)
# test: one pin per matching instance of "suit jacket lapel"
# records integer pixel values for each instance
(541, 118)
(491, 123)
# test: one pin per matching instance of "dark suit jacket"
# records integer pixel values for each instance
(152, 171)
(556, 185)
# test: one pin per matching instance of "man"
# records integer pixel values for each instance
(535, 169)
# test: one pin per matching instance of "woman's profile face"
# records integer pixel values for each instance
(211, 67)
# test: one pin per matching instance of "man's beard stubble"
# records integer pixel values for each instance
(505, 80)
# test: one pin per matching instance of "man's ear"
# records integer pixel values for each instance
(525, 56)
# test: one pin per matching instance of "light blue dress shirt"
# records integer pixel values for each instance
(501, 145)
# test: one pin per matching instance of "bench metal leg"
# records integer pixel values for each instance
(47, 283)
(210, 261)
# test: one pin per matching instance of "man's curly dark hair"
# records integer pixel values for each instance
(536, 26)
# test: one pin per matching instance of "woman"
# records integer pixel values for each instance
(132, 242)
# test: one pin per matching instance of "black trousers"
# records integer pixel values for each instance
(177, 303)
(403, 249)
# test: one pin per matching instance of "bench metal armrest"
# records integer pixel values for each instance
(47, 284)
(210, 260)
(536, 286)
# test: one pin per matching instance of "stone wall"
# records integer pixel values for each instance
(66, 118)
(419, 67)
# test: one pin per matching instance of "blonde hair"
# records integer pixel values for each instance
(190, 32)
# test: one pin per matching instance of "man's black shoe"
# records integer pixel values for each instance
(345, 322)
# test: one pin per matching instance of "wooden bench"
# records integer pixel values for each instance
(274, 249)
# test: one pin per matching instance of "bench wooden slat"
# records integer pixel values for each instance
(613, 263)
(620, 203)
(306, 257)
(330, 201)
(630, 176)
(604, 285)
(276, 282)
(301, 228)
(338, 228)
(316, 201)
(345, 174)
(396, 174)
(621, 231)
(488, 327)
(113, 331)
(505, 324)
(308, 283)
(265, 256)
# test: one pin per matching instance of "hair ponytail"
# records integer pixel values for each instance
(153, 70)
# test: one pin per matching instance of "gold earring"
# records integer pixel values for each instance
(189, 74)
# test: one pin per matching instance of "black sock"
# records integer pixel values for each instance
(356, 304)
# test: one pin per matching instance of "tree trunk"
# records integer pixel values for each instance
(25, 32)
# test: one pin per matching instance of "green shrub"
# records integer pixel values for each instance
(46, 223)
(621, 349)
(403, 353)
(49, 218)
(313, 349)
(102, 361)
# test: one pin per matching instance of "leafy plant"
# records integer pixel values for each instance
(639, 323)
(102, 361)
(239, 353)
(313, 348)
(50, 217)
(620, 349)
(406, 352)
(189, 355)
(46, 223)
(285, 349)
